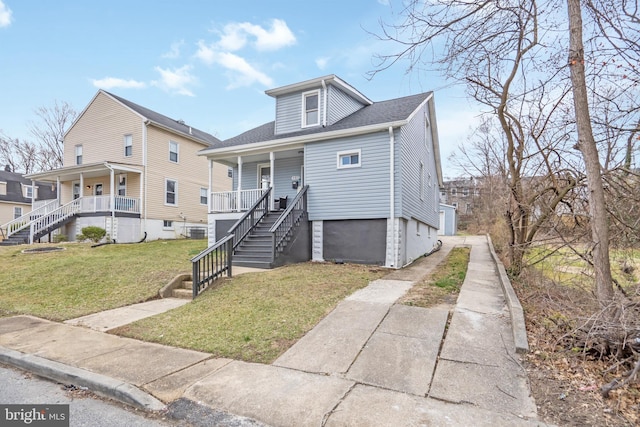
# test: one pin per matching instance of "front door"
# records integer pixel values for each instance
(264, 177)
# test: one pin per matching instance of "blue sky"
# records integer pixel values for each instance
(205, 62)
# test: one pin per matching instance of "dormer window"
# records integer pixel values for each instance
(310, 110)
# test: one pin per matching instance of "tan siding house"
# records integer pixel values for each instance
(135, 173)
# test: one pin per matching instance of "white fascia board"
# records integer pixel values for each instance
(314, 83)
(276, 144)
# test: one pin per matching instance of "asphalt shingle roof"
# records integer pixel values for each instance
(168, 122)
(14, 189)
(376, 113)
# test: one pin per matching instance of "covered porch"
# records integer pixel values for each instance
(254, 172)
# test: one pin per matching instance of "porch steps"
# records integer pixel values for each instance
(256, 249)
(184, 290)
(19, 238)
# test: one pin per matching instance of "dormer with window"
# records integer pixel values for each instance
(318, 102)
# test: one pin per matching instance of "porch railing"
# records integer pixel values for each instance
(103, 204)
(234, 201)
(47, 222)
(23, 222)
(211, 264)
(250, 219)
(283, 228)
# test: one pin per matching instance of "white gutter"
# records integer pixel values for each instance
(312, 137)
(143, 202)
(392, 200)
(324, 107)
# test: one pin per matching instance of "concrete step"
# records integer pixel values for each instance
(183, 293)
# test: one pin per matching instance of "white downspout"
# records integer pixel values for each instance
(239, 189)
(392, 200)
(143, 197)
(324, 106)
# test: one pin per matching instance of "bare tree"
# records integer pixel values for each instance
(49, 132)
(19, 156)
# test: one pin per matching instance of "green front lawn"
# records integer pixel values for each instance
(82, 280)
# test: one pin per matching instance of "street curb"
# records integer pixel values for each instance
(97, 383)
(518, 327)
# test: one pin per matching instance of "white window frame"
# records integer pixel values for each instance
(175, 192)
(78, 152)
(177, 151)
(205, 195)
(28, 191)
(167, 224)
(305, 95)
(128, 144)
(76, 190)
(122, 185)
(17, 212)
(348, 153)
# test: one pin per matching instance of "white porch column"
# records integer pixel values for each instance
(81, 186)
(272, 163)
(59, 191)
(112, 184)
(239, 189)
(210, 189)
(33, 192)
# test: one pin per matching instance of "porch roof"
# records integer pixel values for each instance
(71, 173)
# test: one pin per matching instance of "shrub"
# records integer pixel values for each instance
(93, 233)
(60, 238)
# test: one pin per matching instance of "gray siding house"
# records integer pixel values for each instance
(370, 172)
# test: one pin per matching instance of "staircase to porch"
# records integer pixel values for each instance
(256, 250)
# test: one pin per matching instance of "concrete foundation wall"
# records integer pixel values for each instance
(358, 241)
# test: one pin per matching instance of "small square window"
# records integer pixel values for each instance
(349, 159)
(230, 172)
(173, 151)
(167, 224)
(128, 145)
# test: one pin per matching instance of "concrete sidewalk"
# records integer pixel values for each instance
(369, 362)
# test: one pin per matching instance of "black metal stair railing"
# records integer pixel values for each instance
(242, 228)
(211, 264)
(283, 228)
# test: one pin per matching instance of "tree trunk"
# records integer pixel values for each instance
(587, 146)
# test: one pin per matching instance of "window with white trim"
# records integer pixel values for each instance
(167, 224)
(76, 190)
(17, 212)
(28, 191)
(310, 108)
(78, 154)
(173, 151)
(203, 195)
(122, 185)
(171, 192)
(128, 145)
(349, 159)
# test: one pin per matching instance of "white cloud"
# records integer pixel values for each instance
(321, 63)
(242, 73)
(235, 35)
(5, 15)
(176, 80)
(114, 82)
(174, 50)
